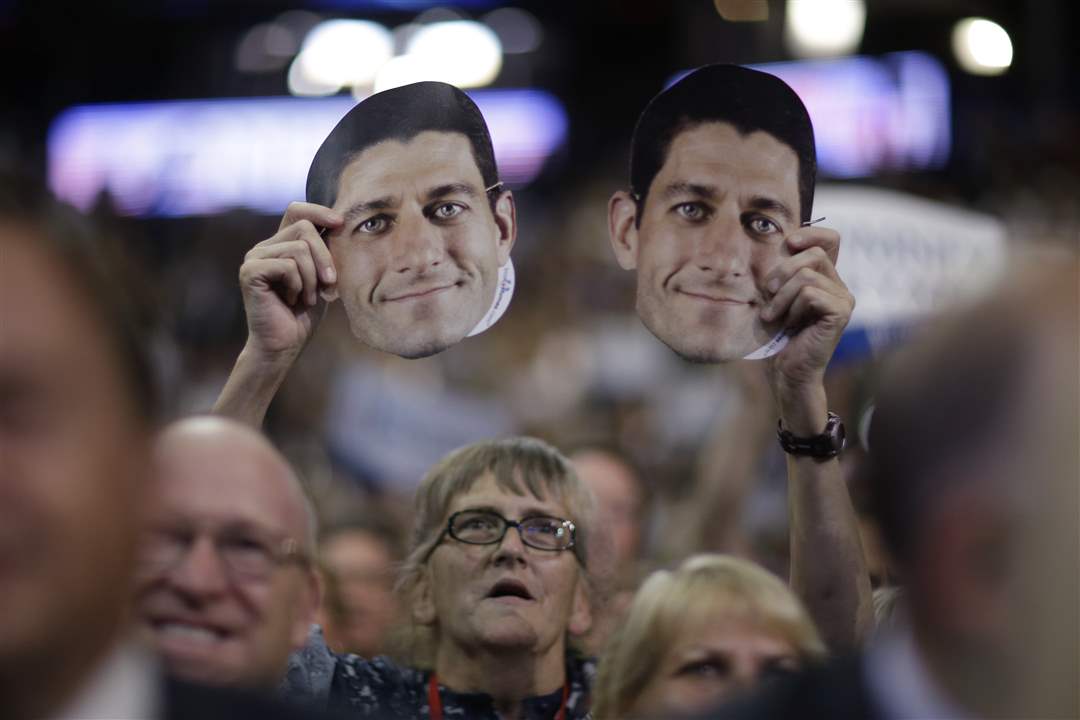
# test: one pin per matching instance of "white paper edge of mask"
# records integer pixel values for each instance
(504, 291)
(778, 343)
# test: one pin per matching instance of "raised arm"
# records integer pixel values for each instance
(285, 282)
(828, 570)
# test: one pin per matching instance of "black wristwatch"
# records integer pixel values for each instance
(826, 445)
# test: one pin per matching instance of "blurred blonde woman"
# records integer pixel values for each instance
(695, 635)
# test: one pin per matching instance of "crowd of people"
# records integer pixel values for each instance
(183, 569)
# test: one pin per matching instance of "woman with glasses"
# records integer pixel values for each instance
(495, 589)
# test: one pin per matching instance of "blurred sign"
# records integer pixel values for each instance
(905, 259)
(873, 114)
(196, 157)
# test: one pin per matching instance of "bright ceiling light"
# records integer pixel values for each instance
(823, 28)
(982, 47)
(341, 53)
(301, 85)
(460, 52)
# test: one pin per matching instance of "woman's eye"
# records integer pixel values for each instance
(690, 211)
(761, 225)
(373, 225)
(705, 668)
(447, 211)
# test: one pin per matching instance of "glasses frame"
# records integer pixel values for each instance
(281, 552)
(507, 524)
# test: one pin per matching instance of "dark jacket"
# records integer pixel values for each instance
(379, 688)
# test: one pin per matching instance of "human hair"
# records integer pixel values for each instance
(951, 405)
(96, 270)
(939, 401)
(749, 100)
(519, 465)
(400, 114)
(703, 587)
(385, 531)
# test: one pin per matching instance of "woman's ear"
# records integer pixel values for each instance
(581, 613)
(423, 606)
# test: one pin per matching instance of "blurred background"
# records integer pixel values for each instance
(947, 140)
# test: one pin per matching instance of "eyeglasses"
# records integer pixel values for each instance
(247, 554)
(484, 527)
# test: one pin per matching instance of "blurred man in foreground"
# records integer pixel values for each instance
(76, 414)
(226, 586)
(973, 472)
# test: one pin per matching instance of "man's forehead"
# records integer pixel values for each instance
(715, 151)
(214, 491)
(428, 159)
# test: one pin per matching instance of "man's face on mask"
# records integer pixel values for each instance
(419, 253)
(711, 228)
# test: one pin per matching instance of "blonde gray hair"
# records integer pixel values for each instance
(519, 465)
(669, 601)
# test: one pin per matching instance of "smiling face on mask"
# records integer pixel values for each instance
(709, 230)
(419, 253)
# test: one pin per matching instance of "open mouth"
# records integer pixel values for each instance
(510, 589)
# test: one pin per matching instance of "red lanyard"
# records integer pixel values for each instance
(435, 702)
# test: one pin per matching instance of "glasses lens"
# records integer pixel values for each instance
(546, 532)
(477, 527)
(162, 549)
(246, 556)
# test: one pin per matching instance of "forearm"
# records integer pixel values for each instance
(828, 569)
(252, 385)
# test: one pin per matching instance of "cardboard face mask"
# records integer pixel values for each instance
(722, 172)
(423, 258)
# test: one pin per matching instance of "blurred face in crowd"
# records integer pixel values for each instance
(507, 595)
(711, 660)
(618, 500)
(711, 228)
(419, 253)
(224, 590)
(73, 454)
(363, 606)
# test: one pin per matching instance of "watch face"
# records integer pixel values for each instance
(839, 435)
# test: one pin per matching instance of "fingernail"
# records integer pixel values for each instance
(766, 312)
(773, 285)
(331, 275)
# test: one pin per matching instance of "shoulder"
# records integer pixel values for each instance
(376, 687)
(184, 701)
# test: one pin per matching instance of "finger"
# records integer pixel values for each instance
(320, 254)
(318, 215)
(280, 273)
(825, 238)
(301, 250)
(813, 303)
(813, 258)
(806, 277)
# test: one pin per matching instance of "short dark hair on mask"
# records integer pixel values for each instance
(399, 114)
(749, 100)
(95, 267)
